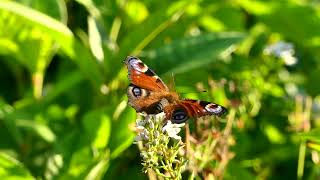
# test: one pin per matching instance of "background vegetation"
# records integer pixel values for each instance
(63, 104)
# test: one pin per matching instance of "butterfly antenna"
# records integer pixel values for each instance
(173, 81)
(193, 92)
(172, 84)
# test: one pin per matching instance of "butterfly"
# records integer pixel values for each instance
(148, 93)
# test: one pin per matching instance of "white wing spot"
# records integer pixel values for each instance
(213, 108)
(138, 65)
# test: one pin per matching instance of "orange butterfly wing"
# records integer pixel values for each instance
(179, 113)
(142, 76)
(148, 93)
(146, 89)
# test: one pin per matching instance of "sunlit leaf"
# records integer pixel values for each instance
(53, 166)
(273, 134)
(122, 135)
(64, 85)
(315, 146)
(193, 52)
(10, 124)
(59, 33)
(95, 39)
(80, 163)
(237, 170)
(138, 38)
(278, 17)
(10, 168)
(98, 127)
(258, 7)
(52, 8)
(99, 169)
(40, 129)
(212, 23)
(313, 135)
(133, 7)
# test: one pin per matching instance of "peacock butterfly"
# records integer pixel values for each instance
(148, 93)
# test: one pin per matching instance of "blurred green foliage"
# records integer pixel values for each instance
(63, 104)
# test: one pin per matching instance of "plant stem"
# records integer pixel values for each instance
(306, 127)
(37, 80)
(157, 31)
(302, 153)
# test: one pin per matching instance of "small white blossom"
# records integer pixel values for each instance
(144, 155)
(282, 50)
(156, 134)
(144, 114)
(173, 129)
(140, 125)
(151, 124)
(137, 139)
(289, 58)
(155, 139)
(143, 135)
(160, 116)
(140, 122)
(140, 128)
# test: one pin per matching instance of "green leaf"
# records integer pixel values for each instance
(98, 127)
(81, 160)
(133, 7)
(11, 168)
(95, 39)
(99, 169)
(10, 124)
(40, 129)
(52, 8)
(38, 19)
(61, 34)
(192, 52)
(273, 134)
(234, 169)
(257, 7)
(140, 36)
(32, 48)
(315, 146)
(299, 22)
(91, 7)
(70, 80)
(122, 136)
(313, 135)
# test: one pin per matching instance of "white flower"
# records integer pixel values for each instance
(140, 122)
(151, 124)
(143, 135)
(160, 116)
(288, 58)
(156, 134)
(137, 139)
(282, 50)
(173, 129)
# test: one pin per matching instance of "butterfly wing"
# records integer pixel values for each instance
(179, 113)
(147, 93)
(142, 76)
(146, 88)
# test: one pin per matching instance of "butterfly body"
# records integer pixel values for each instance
(148, 93)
